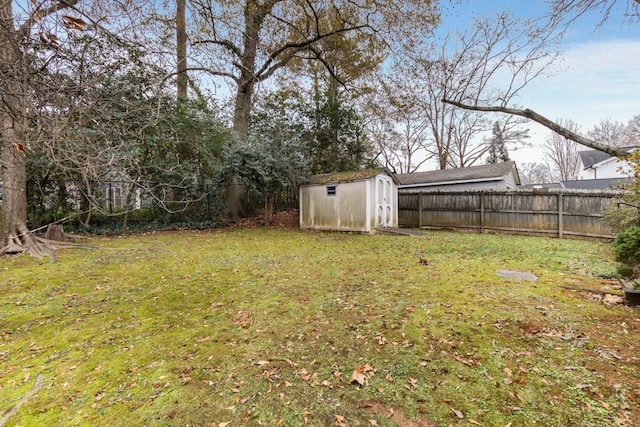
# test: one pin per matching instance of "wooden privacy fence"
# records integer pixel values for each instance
(558, 213)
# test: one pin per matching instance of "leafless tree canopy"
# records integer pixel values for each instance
(489, 63)
(562, 153)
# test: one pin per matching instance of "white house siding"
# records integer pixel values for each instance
(612, 168)
(509, 182)
(346, 211)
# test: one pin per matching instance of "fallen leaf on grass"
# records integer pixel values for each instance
(360, 375)
(373, 422)
(340, 421)
(459, 414)
(612, 299)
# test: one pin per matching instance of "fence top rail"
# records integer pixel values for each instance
(524, 191)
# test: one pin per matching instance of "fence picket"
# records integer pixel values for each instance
(560, 213)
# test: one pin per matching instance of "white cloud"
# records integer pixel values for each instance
(593, 81)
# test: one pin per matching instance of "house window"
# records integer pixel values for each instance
(331, 190)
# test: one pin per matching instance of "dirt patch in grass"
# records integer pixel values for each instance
(252, 326)
(393, 414)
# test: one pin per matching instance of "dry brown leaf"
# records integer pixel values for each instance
(21, 148)
(358, 376)
(459, 414)
(373, 422)
(73, 22)
(612, 299)
(340, 421)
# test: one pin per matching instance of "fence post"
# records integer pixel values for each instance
(560, 212)
(420, 209)
(482, 212)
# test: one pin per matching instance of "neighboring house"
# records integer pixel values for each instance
(350, 201)
(496, 176)
(595, 164)
(605, 184)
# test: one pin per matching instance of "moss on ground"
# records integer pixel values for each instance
(266, 327)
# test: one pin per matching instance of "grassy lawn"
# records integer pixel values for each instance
(266, 327)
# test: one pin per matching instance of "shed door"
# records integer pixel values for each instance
(384, 198)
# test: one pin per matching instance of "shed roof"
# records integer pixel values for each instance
(349, 176)
(472, 173)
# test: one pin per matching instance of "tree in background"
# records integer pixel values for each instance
(609, 132)
(562, 153)
(562, 14)
(248, 42)
(470, 67)
(275, 158)
(535, 173)
(498, 146)
(335, 136)
(398, 130)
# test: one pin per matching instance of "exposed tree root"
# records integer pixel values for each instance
(25, 242)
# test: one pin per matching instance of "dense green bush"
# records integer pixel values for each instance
(621, 216)
(627, 251)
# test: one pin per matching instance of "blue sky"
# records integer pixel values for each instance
(596, 77)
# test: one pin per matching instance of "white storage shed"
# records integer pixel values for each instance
(360, 201)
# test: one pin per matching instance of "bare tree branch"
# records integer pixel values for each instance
(550, 124)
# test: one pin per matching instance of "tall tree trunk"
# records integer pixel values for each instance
(181, 49)
(254, 16)
(243, 104)
(15, 237)
(13, 214)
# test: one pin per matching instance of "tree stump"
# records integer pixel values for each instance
(55, 232)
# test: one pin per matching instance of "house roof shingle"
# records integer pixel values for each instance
(591, 157)
(495, 170)
(596, 184)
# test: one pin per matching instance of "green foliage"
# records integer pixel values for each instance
(274, 158)
(122, 127)
(263, 168)
(621, 217)
(627, 247)
(335, 136)
(498, 147)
